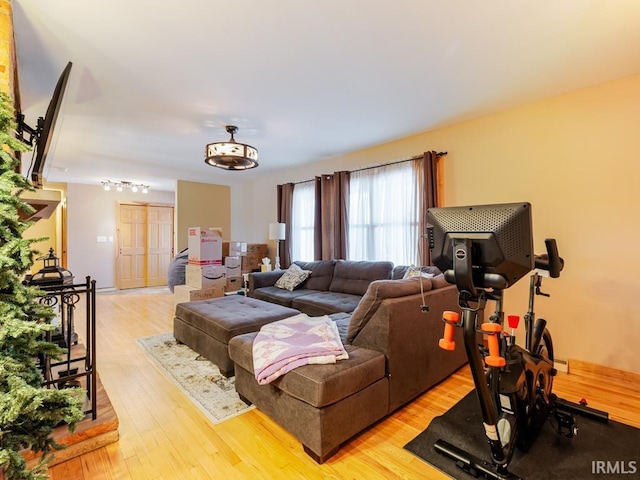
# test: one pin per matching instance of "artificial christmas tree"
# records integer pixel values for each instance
(28, 411)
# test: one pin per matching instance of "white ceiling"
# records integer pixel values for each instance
(154, 81)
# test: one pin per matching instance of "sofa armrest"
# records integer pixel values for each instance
(264, 279)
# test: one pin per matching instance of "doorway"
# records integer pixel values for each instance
(145, 244)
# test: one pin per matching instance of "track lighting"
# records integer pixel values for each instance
(121, 185)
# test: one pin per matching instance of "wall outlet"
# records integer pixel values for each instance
(561, 364)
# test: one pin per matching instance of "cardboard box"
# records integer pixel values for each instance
(187, 293)
(234, 284)
(234, 249)
(251, 262)
(205, 246)
(234, 266)
(205, 276)
(257, 249)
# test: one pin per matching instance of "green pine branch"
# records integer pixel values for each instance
(28, 411)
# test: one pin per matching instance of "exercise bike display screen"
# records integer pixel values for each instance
(500, 236)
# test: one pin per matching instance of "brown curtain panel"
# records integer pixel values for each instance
(429, 168)
(331, 207)
(285, 206)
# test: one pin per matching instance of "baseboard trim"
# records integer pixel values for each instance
(630, 379)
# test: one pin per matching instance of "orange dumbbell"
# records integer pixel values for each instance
(450, 320)
(493, 333)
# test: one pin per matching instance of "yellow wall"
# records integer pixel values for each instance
(50, 228)
(201, 205)
(576, 158)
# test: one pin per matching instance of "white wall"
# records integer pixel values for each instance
(91, 213)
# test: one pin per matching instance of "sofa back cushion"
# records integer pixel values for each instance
(321, 274)
(354, 277)
(399, 271)
(376, 293)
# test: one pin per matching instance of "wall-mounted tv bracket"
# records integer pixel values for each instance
(23, 127)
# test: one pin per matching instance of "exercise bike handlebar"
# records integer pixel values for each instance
(550, 261)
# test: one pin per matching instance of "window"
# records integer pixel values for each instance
(384, 209)
(303, 215)
(384, 214)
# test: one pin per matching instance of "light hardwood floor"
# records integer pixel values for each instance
(164, 436)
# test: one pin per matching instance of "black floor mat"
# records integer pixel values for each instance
(599, 451)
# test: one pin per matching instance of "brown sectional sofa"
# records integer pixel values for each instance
(392, 340)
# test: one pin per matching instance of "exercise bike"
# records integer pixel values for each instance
(513, 383)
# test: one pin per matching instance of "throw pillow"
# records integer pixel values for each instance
(414, 271)
(292, 277)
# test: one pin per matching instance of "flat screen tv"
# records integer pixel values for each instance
(45, 129)
(497, 239)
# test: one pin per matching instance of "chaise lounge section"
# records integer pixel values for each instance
(392, 340)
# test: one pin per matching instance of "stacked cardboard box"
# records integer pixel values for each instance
(253, 259)
(205, 276)
(233, 267)
(251, 254)
(234, 249)
(205, 246)
(237, 249)
(187, 293)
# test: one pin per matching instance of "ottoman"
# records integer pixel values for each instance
(206, 326)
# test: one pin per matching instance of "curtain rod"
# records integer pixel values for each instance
(393, 162)
(415, 157)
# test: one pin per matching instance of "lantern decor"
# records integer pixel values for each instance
(52, 274)
(51, 279)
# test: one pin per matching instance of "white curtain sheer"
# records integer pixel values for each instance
(302, 222)
(384, 214)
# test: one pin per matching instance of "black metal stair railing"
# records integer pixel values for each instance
(77, 368)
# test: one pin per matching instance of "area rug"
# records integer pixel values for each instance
(196, 376)
(600, 450)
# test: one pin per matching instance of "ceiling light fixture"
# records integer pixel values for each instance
(231, 155)
(121, 185)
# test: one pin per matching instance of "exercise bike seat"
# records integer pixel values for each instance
(550, 261)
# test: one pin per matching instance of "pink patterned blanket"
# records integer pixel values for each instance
(286, 344)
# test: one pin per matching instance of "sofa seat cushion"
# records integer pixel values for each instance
(318, 385)
(354, 277)
(279, 295)
(324, 303)
(342, 322)
(225, 317)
